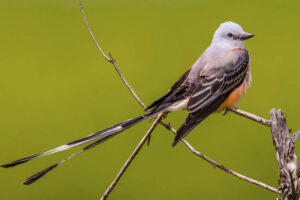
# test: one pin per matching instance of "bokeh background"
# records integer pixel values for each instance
(55, 87)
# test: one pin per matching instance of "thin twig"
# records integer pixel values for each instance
(110, 58)
(131, 157)
(204, 157)
(251, 116)
(113, 61)
(141, 143)
(91, 32)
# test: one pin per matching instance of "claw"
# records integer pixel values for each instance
(165, 115)
(226, 110)
(148, 140)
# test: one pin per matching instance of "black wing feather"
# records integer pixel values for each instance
(174, 94)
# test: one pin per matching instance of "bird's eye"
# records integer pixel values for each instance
(230, 34)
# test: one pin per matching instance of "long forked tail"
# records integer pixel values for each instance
(98, 137)
(40, 174)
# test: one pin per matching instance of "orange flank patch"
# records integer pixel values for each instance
(234, 97)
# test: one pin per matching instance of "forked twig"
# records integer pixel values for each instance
(158, 120)
(110, 58)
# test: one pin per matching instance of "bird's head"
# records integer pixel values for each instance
(231, 34)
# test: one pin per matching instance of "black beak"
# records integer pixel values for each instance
(246, 36)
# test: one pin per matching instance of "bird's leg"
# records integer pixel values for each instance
(225, 112)
(165, 115)
(148, 139)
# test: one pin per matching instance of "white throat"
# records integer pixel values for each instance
(228, 44)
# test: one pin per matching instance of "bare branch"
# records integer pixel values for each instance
(110, 58)
(131, 157)
(296, 136)
(214, 163)
(251, 116)
(91, 32)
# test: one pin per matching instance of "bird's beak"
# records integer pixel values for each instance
(245, 36)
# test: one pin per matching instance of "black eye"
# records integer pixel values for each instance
(230, 34)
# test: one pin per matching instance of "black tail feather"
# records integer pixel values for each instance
(20, 161)
(90, 138)
(96, 138)
(97, 142)
(39, 175)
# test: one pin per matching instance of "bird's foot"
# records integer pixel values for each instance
(226, 111)
(148, 139)
(168, 126)
(165, 115)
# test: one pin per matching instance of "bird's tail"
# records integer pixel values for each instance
(98, 138)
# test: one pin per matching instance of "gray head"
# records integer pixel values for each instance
(230, 34)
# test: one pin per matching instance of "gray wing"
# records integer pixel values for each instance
(179, 90)
(213, 87)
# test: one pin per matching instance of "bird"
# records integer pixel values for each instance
(215, 82)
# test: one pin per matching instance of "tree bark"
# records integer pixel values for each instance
(289, 184)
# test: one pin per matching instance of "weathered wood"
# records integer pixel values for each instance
(289, 184)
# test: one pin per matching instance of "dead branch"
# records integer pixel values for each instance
(251, 116)
(289, 184)
(230, 171)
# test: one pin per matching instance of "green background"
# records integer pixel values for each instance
(55, 87)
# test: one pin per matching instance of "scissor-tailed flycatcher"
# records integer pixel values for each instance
(216, 81)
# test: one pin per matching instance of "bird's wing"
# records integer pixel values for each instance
(176, 92)
(215, 82)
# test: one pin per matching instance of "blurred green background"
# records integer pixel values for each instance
(55, 87)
